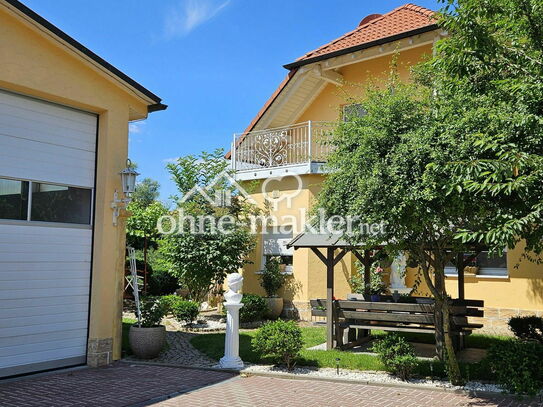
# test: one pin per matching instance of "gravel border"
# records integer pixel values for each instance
(367, 377)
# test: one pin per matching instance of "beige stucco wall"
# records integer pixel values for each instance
(521, 292)
(357, 77)
(34, 64)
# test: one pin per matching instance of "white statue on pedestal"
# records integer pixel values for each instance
(231, 359)
(397, 275)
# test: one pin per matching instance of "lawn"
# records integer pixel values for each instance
(213, 346)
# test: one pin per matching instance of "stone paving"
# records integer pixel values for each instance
(125, 384)
(121, 384)
(180, 352)
(267, 391)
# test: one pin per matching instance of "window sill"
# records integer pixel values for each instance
(286, 273)
(479, 276)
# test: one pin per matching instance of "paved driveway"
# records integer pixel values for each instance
(124, 384)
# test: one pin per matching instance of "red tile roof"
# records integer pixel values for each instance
(375, 27)
(404, 20)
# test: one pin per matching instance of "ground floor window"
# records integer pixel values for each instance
(36, 201)
(484, 265)
(274, 243)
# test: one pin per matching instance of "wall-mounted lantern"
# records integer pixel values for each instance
(128, 181)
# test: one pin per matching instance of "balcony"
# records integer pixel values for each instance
(296, 149)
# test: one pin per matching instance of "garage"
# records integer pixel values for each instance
(47, 181)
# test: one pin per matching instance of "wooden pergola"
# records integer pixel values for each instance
(331, 244)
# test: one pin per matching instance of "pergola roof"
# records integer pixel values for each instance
(324, 240)
(321, 240)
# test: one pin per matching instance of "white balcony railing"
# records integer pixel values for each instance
(302, 143)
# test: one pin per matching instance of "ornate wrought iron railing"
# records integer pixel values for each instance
(289, 145)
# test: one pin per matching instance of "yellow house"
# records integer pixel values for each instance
(279, 154)
(64, 115)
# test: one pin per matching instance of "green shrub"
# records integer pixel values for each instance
(403, 366)
(271, 278)
(162, 283)
(153, 309)
(182, 310)
(397, 355)
(185, 311)
(279, 340)
(528, 328)
(254, 308)
(517, 366)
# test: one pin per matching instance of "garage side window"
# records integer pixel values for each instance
(56, 203)
(13, 199)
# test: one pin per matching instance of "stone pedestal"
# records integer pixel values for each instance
(231, 359)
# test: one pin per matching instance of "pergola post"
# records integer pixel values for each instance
(329, 298)
(367, 272)
(460, 265)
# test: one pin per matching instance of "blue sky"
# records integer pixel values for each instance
(214, 62)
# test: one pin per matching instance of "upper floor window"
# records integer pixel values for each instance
(48, 202)
(484, 265)
(352, 111)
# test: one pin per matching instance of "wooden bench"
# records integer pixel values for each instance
(364, 316)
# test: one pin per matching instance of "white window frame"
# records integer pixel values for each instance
(484, 272)
(282, 240)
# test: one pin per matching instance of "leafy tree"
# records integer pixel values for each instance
(457, 163)
(390, 166)
(142, 224)
(146, 192)
(202, 258)
(489, 71)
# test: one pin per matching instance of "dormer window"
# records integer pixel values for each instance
(352, 111)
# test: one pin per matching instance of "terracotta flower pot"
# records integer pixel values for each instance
(275, 307)
(471, 270)
(146, 343)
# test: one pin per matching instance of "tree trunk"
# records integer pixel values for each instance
(454, 369)
(442, 321)
(439, 284)
(440, 331)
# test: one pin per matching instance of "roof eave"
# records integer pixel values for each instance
(156, 107)
(87, 52)
(380, 41)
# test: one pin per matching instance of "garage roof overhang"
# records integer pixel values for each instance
(154, 103)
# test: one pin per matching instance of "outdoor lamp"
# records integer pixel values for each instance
(128, 181)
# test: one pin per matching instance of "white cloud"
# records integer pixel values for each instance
(136, 127)
(170, 160)
(189, 14)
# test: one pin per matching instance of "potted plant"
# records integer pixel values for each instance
(377, 286)
(272, 279)
(148, 337)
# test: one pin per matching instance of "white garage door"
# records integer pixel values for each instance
(47, 160)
